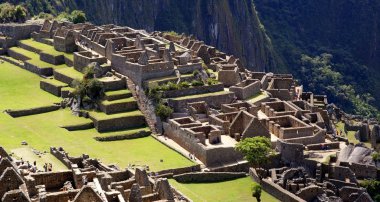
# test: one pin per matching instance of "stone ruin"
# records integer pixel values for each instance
(88, 180)
(208, 120)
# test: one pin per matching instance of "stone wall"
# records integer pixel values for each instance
(274, 189)
(118, 107)
(184, 69)
(32, 111)
(52, 59)
(215, 156)
(362, 171)
(52, 180)
(19, 31)
(62, 196)
(42, 71)
(214, 101)
(84, 58)
(204, 177)
(177, 171)
(246, 89)
(17, 55)
(193, 91)
(53, 89)
(139, 134)
(119, 123)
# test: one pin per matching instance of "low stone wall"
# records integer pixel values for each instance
(238, 167)
(29, 48)
(136, 135)
(17, 63)
(274, 189)
(330, 145)
(32, 111)
(184, 69)
(44, 40)
(201, 177)
(83, 126)
(214, 101)
(45, 71)
(19, 31)
(282, 94)
(118, 107)
(177, 171)
(119, 123)
(53, 180)
(193, 91)
(17, 55)
(362, 171)
(63, 78)
(69, 62)
(351, 127)
(61, 196)
(53, 89)
(113, 85)
(52, 59)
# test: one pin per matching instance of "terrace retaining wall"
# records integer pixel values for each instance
(52, 59)
(193, 91)
(32, 111)
(43, 71)
(119, 123)
(201, 177)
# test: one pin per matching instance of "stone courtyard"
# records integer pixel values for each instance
(216, 103)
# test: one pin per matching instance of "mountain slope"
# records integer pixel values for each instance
(348, 30)
(231, 26)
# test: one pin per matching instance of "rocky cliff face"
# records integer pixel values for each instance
(230, 25)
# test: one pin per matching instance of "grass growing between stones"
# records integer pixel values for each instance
(259, 96)
(233, 190)
(19, 89)
(26, 153)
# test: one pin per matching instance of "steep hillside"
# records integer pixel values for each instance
(232, 26)
(348, 30)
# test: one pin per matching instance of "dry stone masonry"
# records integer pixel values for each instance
(216, 103)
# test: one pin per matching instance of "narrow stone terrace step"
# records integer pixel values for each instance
(67, 75)
(52, 86)
(120, 121)
(117, 106)
(118, 94)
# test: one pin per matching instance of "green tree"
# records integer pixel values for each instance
(256, 150)
(319, 77)
(20, 14)
(256, 192)
(163, 111)
(373, 187)
(78, 16)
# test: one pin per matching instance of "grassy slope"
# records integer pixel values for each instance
(20, 89)
(234, 190)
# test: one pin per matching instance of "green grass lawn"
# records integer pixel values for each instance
(70, 72)
(45, 48)
(35, 58)
(27, 154)
(234, 190)
(19, 89)
(350, 134)
(258, 97)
